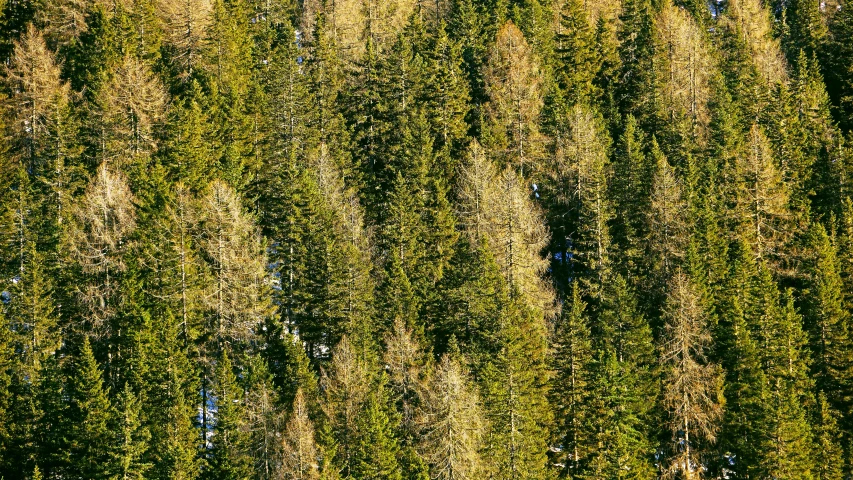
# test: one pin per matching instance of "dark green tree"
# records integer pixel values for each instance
(131, 438)
(89, 414)
(839, 68)
(376, 449)
(825, 318)
(228, 456)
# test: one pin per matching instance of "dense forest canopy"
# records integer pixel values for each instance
(426, 239)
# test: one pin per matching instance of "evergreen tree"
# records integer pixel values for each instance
(227, 59)
(228, 455)
(471, 294)
(375, 448)
(826, 320)
(806, 29)
(132, 438)
(839, 73)
(636, 51)
(579, 181)
(89, 414)
(172, 402)
(514, 384)
(191, 156)
(828, 463)
(630, 184)
(8, 442)
(789, 439)
(448, 102)
(571, 391)
(746, 414)
(575, 48)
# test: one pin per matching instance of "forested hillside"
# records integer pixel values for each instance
(426, 239)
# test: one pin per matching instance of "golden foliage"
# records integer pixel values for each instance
(103, 219)
(751, 20)
(513, 82)
(237, 298)
(686, 66)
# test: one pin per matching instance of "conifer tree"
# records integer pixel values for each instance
(32, 314)
(575, 48)
(130, 107)
(144, 35)
(579, 182)
(228, 455)
(63, 21)
(404, 359)
(89, 413)
(607, 77)
(39, 102)
(626, 338)
(825, 318)
(685, 66)
(494, 207)
(376, 449)
(227, 58)
(187, 146)
(184, 27)
(290, 368)
(448, 101)
(346, 386)
(806, 29)
(753, 23)
(789, 439)
(666, 224)
(348, 288)
(471, 296)
(515, 102)
(174, 262)
(690, 383)
(300, 448)
(636, 52)
(466, 24)
(453, 423)
(514, 385)
(102, 222)
(236, 297)
(839, 73)
(172, 402)
(828, 463)
(746, 413)
(571, 392)
(32, 331)
(132, 438)
(8, 442)
(767, 197)
(262, 419)
(326, 79)
(630, 187)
